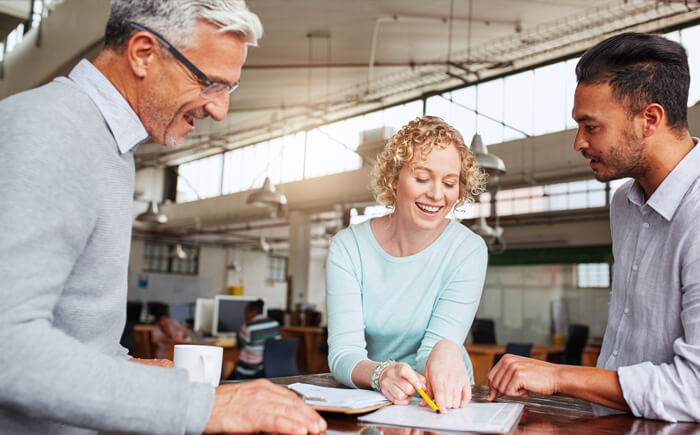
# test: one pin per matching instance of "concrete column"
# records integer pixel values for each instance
(299, 255)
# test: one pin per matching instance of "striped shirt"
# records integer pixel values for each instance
(251, 340)
(653, 335)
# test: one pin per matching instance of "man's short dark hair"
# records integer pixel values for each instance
(641, 69)
(256, 306)
(158, 310)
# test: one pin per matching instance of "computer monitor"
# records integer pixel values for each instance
(229, 313)
(182, 312)
(203, 315)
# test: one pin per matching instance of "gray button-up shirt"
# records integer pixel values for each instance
(653, 333)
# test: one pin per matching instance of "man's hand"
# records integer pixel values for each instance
(516, 376)
(261, 406)
(153, 362)
(447, 377)
(397, 383)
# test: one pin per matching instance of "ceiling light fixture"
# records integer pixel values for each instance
(152, 215)
(489, 163)
(266, 196)
(262, 245)
(178, 253)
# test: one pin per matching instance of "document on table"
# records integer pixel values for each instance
(475, 417)
(341, 398)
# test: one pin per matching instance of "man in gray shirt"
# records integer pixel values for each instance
(66, 187)
(631, 108)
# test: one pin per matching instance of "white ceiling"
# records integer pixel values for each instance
(281, 93)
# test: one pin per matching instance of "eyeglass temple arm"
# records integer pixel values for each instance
(200, 75)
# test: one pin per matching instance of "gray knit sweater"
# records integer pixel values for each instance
(65, 223)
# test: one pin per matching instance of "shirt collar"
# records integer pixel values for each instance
(668, 196)
(123, 122)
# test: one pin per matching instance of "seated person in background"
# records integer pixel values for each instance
(251, 340)
(167, 330)
(631, 108)
(402, 290)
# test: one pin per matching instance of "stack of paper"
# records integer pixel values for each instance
(475, 417)
(343, 398)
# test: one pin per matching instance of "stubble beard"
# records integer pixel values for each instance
(625, 160)
(155, 113)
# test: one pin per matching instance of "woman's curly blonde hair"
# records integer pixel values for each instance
(417, 139)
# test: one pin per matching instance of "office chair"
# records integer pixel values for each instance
(133, 314)
(323, 347)
(483, 331)
(276, 314)
(578, 337)
(520, 349)
(280, 357)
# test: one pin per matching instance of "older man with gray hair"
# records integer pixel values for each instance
(67, 177)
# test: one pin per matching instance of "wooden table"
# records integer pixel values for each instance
(542, 414)
(309, 356)
(483, 357)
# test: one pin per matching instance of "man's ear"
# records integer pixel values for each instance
(141, 51)
(654, 117)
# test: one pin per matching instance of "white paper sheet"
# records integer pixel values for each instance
(345, 398)
(475, 417)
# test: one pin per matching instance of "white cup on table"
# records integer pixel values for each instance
(203, 363)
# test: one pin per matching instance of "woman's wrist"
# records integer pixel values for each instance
(377, 374)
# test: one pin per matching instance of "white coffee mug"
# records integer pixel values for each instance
(203, 363)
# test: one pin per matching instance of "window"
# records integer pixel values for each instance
(200, 179)
(593, 275)
(157, 258)
(277, 269)
(532, 102)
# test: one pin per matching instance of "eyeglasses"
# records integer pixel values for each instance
(212, 89)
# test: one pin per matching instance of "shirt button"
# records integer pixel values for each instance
(615, 353)
(634, 267)
(627, 310)
(645, 224)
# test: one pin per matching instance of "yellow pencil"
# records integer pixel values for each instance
(425, 397)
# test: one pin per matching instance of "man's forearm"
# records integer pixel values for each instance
(593, 384)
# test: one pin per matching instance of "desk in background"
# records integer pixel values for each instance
(144, 346)
(542, 414)
(309, 356)
(483, 357)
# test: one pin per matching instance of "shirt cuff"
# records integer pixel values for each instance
(346, 365)
(199, 407)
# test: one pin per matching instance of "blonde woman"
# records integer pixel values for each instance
(402, 290)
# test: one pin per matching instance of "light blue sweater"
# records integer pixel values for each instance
(382, 307)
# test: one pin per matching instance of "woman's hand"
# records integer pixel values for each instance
(397, 382)
(446, 376)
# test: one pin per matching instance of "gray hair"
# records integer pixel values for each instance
(176, 20)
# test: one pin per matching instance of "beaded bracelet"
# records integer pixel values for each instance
(374, 381)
